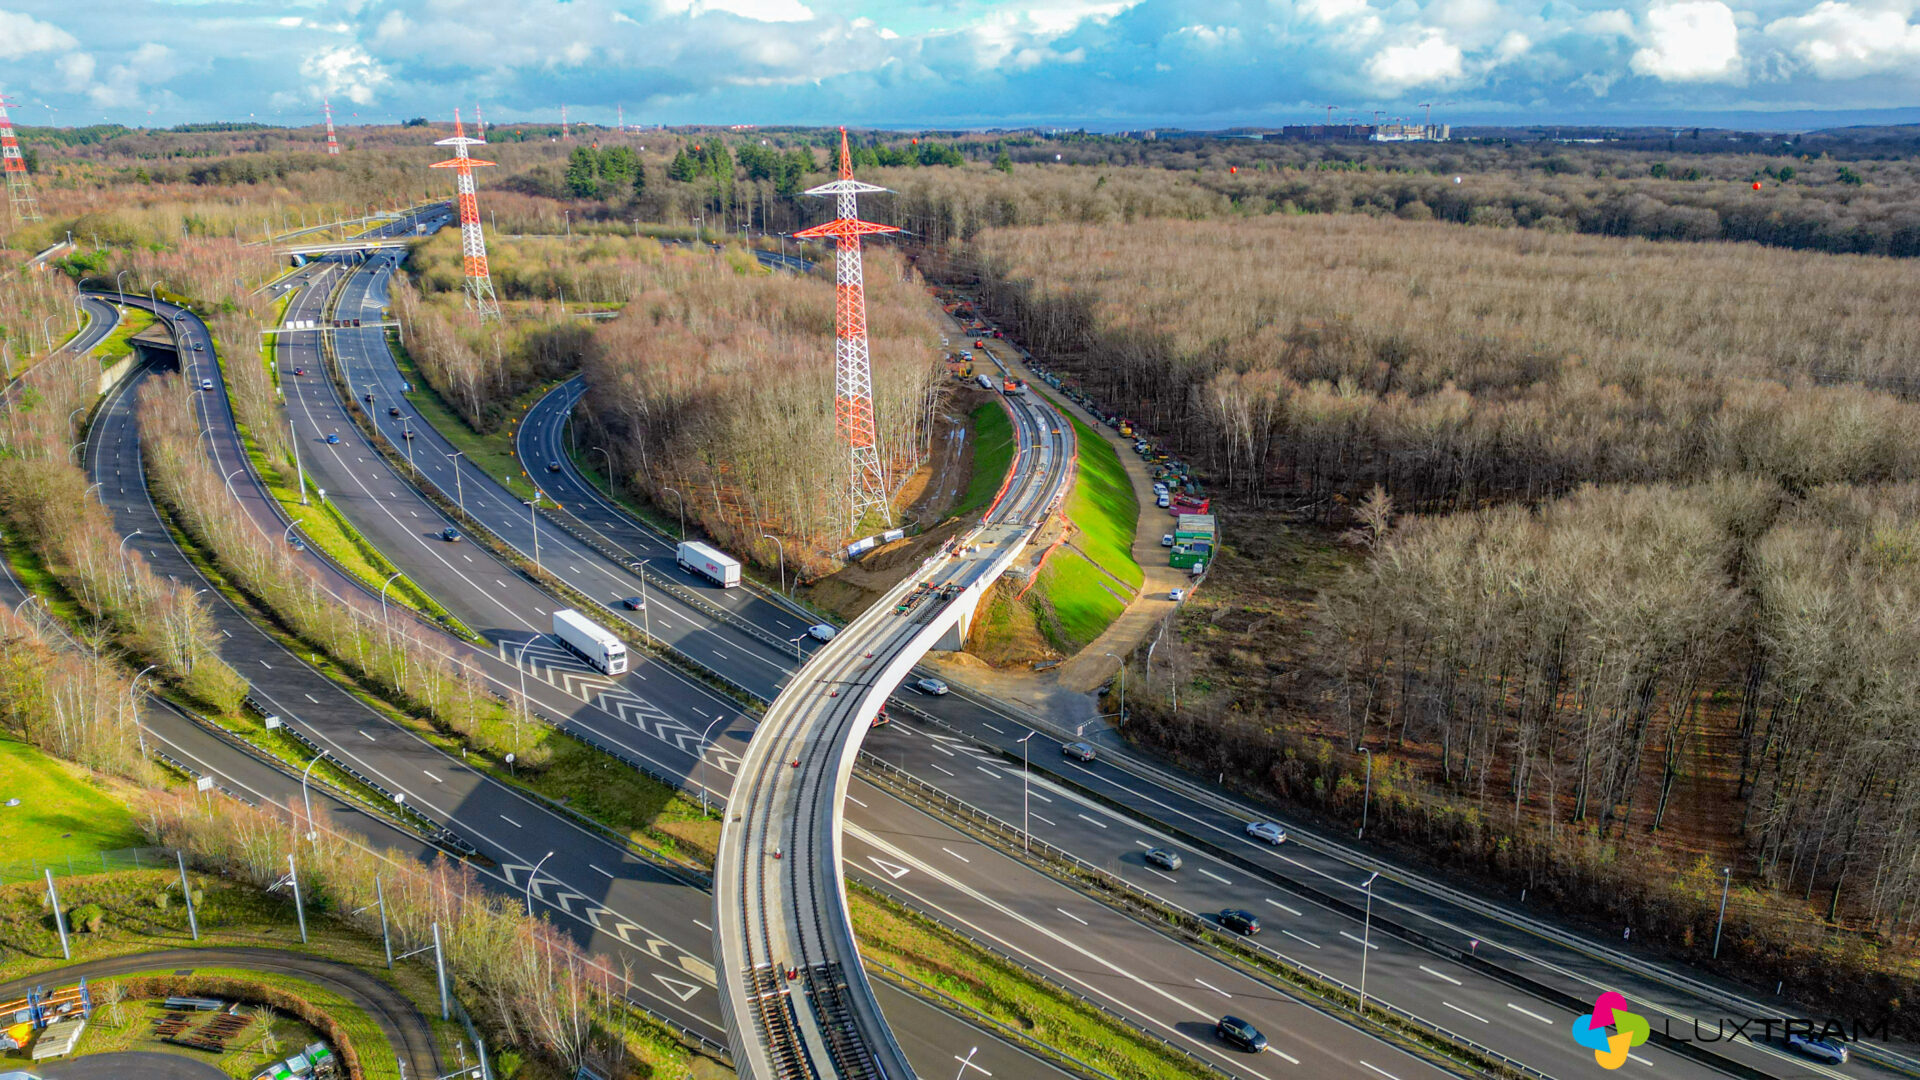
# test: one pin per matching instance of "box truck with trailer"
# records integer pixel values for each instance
(590, 641)
(697, 558)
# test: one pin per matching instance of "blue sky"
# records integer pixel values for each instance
(975, 63)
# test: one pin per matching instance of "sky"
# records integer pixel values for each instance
(1101, 64)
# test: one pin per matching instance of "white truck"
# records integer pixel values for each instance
(697, 558)
(593, 642)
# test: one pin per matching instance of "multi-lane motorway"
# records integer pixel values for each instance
(671, 724)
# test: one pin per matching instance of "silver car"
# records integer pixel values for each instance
(1820, 1049)
(1267, 831)
(930, 686)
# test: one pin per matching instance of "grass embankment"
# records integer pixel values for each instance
(119, 345)
(921, 948)
(992, 457)
(1073, 601)
(1103, 506)
(63, 812)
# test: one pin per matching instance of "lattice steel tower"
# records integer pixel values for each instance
(333, 144)
(19, 185)
(473, 246)
(852, 366)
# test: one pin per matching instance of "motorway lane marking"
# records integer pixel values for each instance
(957, 855)
(989, 772)
(266, 665)
(311, 698)
(432, 777)
(718, 653)
(500, 583)
(990, 727)
(1071, 915)
(1157, 873)
(1437, 975)
(1143, 843)
(1357, 941)
(703, 926)
(368, 737)
(1463, 1012)
(511, 822)
(229, 633)
(1041, 818)
(856, 802)
(1290, 1059)
(1090, 821)
(1214, 988)
(967, 1063)
(1283, 907)
(1524, 1012)
(1301, 940)
(1213, 875)
(599, 871)
(943, 750)
(1379, 1070)
(932, 765)
(1039, 796)
(469, 558)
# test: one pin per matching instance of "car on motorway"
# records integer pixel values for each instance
(299, 371)
(1166, 539)
(1078, 750)
(1267, 831)
(930, 686)
(393, 410)
(1175, 595)
(1240, 921)
(408, 434)
(199, 347)
(1820, 1049)
(821, 632)
(206, 384)
(333, 438)
(1162, 858)
(553, 466)
(450, 534)
(1238, 1033)
(634, 603)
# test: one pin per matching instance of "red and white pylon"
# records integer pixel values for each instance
(333, 144)
(19, 185)
(852, 364)
(473, 245)
(565, 133)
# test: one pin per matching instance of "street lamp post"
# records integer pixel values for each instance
(1366, 798)
(703, 762)
(459, 491)
(533, 519)
(1123, 690)
(133, 702)
(306, 797)
(404, 420)
(682, 500)
(1026, 826)
(530, 877)
(120, 286)
(1366, 943)
(1726, 882)
(286, 534)
(783, 558)
(518, 665)
(383, 607)
(123, 542)
(609, 457)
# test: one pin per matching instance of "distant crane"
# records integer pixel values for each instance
(473, 245)
(1330, 109)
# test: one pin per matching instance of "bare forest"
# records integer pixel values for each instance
(1656, 612)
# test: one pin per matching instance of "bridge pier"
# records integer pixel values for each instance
(963, 608)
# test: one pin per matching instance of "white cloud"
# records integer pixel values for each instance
(1209, 37)
(1690, 41)
(346, 71)
(124, 85)
(21, 35)
(76, 69)
(1432, 59)
(1840, 41)
(758, 10)
(1513, 45)
(1611, 23)
(1327, 11)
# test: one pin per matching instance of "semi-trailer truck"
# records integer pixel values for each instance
(590, 641)
(697, 558)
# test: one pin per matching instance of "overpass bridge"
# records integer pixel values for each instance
(796, 1002)
(300, 253)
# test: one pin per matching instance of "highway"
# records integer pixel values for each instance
(1318, 863)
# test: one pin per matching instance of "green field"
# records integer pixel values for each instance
(1074, 601)
(119, 343)
(992, 456)
(1104, 507)
(61, 812)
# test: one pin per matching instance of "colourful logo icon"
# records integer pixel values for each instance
(1610, 1048)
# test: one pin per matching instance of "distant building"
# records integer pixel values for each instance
(1361, 133)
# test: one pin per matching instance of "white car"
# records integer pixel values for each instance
(206, 384)
(1177, 595)
(930, 686)
(1164, 500)
(1267, 831)
(1166, 539)
(1831, 1052)
(821, 632)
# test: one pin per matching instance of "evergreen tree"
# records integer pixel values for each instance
(1003, 161)
(583, 169)
(683, 167)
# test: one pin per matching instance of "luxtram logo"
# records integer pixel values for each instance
(1610, 1048)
